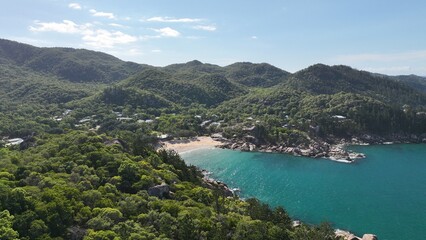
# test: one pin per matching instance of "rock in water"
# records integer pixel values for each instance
(369, 237)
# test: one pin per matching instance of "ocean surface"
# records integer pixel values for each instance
(384, 194)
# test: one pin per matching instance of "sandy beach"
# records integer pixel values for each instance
(186, 145)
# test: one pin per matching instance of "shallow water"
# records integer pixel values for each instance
(384, 194)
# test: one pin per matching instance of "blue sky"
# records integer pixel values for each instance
(375, 35)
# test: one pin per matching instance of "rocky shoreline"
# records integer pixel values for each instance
(214, 184)
(332, 148)
(335, 152)
(350, 236)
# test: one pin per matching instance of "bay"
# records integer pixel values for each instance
(384, 194)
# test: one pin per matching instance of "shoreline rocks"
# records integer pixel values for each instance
(346, 235)
(332, 148)
(214, 184)
(369, 237)
(313, 150)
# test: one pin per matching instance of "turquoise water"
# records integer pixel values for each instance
(384, 194)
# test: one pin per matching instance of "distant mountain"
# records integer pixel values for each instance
(209, 89)
(74, 65)
(416, 82)
(368, 103)
(23, 85)
(256, 75)
(194, 66)
(372, 103)
(243, 73)
(323, 79)
(134, 97)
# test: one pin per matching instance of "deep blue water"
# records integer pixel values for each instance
(384, 194)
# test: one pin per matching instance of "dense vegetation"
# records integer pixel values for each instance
(283, 107)
(75, 65)
(83, 185)
(322, 79)
(205, 89)
(89, 122)
(413, 81)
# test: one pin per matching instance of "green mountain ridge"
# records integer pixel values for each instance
(207, 89)
(24, 85)
(240, 89)
(323, 79)
(256, 75)
(74, 65)
(416, 82)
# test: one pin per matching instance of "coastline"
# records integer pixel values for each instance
(334, 149)
(316, 149)
(191, 144)
(322, 150)
(331, 149)
(207, 142)
(195, 143)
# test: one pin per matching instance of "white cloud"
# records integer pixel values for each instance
(163, 32)
(98, 38)
(209, 28)
(134, 52)
(156, 51)
(390, 70)
(75, 6)
(65, 26)
(102, 14)
(409, 62)
(148, 37)
(117, 25)
(403, 56)
(194, 37)
(167, 32)
(253, 37)
(173, 20)
(107, 39)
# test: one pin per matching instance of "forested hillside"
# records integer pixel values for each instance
(74, 65)
(370, 103)
(208, 89)
(413, 81)
(242, 73)
(323, 79)
(83, 185)
(256, 75)
(24, 85)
